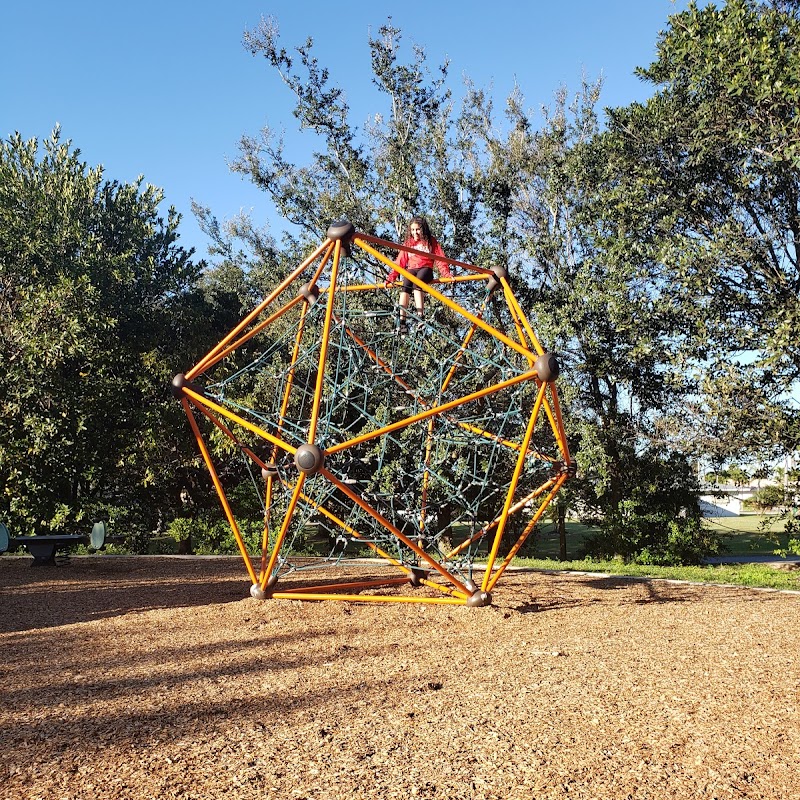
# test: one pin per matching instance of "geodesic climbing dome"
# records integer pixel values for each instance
(425, 450)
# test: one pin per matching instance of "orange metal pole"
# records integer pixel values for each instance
(265, 534)
(513, 486)
(464, 345)
(377, 516)
(528, 528)
(449, 303)
(287, 390)
(372, 546)
(560, 437)
(366, 598)
(323, 351)
(326, 587)
(493, 524)
(202, 401)
(426, 475)
(353, 532)
(282, 533)
(359, 238)
(393, 530)
(233, 346)
(517, 309)
(220, 491)
(525, 376)
(370, 287)
(203, 364)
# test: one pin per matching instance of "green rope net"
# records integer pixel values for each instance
(423, 449)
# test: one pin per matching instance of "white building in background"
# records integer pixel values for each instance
(728, 499)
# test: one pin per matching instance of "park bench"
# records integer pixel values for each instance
(44, 548)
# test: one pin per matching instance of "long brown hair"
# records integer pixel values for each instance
(427, 236)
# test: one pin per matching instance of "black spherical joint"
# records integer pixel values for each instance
(309, 458)
(342, 230)
(479, 599)
(257, 593)
(497, 274)
(179, 382)
(416, 576)
(310, 293)
(547, 367)
(270, 471)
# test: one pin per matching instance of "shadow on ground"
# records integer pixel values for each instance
(97, 587)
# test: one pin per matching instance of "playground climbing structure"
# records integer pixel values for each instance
(434, 453)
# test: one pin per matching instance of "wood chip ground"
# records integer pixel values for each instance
(162, 678)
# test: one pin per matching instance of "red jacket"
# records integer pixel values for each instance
(415, 261)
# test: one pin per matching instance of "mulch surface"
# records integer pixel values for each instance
(162, 678)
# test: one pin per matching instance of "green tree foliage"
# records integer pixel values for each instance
(589, 290)
(403, 162)
(512, 191)
(706, 177)
(96, 303)
(769, 497)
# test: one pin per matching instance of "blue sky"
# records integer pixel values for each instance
(166, 89)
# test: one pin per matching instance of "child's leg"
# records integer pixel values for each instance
(404, 298)
(419, 302)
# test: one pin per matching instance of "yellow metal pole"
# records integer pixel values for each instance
(462, 350)
(233, 346)
(220, 491)
(426, 476)
(282, 533)
(360, 238)
(560, 437)
(528, 528)
(366, 598)
(513, 486)
(394, 531)
(453, 306)
(265, 534)
(520, 314)
(403, 423)
(323, 351)
(493, 524)
(327, 587)
(287, 390)
(202, 401)
(284, 405)
(202, 365)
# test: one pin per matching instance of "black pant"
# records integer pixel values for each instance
(425, 274)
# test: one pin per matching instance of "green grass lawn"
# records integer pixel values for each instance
(742, 536)
(753, 575)
(750, 534)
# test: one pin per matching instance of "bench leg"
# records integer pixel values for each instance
(44, 553)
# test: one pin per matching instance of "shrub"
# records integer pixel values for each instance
(652, 537)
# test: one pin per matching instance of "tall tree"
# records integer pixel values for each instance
(507, 191)
(706, 177)
(590, 291)
(401, 163)
(96, 299)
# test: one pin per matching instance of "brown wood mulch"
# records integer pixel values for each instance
(162, 678)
